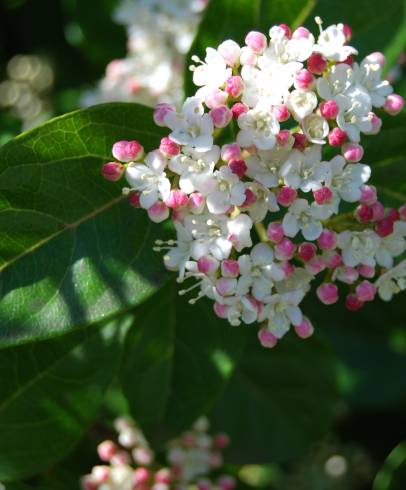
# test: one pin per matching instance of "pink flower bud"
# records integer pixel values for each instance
(327, 240)
(221, 116)
(305, 329)
(303, 79)
(376, 57)
(275, 232)
(286, 29)
(332, 259)
(87, 483)
(366, 271)
(168, 147)
(141, 475)
(365, 291)
(347, 32)
(196, 202)
(288, 268)
(207, 265)
(285, 249)
(100, 474)
(221, 441)
(160, 111)
(315, 265)
(402, 212)
(248, 56)
(134, 199)
(300, 141)
(283, 137)
(301, 33)
(324, 195)
(128, 151)
(106, 450)
(216, 98)
(226, 286)
(348, 275)
(226, 482)
(267, 338)
(158, 212)
(352, 303)
(376, 124)
(239, 108)
(368, 194)
(378, 211)
(238, 167)
(230, 268)
(384, 227)
(329, 109)
(307, 251)
(234, 86)
(327, 293)
(280, 112)
(230, 152)
(163, 476)
(142, 456)
(216, 460)
(316, 64)
(393, 214)
(337, 137)
(256, 41)
(286, 196)
(394, 104)
(348, 61)
(220, 310)
(230, 51)
(352, 152)
(120, 458)
(176, 199)
(364, 213)
(113, 171)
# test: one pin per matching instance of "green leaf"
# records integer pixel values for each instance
(51, 392)
(393, 474)
(178, 358)
(279, 401)
(71, 249)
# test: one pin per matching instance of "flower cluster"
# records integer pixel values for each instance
(285, 99)
(160, 32)
(130, 463)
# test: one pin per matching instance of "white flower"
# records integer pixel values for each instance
(178, 251)
(392, 245)
(304, 217)
(150, 179)
(282, 311)
(302, 103)
(265, 202)
(195, 169)
(240, 308)
(304, 169)
(192, 127)
(258, 127)
(354, 116)
(392, 282)
(358, 247)
(369, 75)
(259, 271)
(213, 73)
(337, 81)
(315, 128)
(270, 86)
(228, 190)
(264, 166)
(331, 44)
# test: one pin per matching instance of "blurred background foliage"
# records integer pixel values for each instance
(66, 46)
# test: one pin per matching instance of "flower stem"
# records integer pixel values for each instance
(261, 232)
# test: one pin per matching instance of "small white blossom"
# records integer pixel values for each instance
(358, 247)
(304, 217)
(213, 73)
(369, 75)
(304, 169)
(302, 103)
(258, 127)
(331, 44)
(337, 80)
(228, 190)
(392, 282)
(392, 245)
(281, 311)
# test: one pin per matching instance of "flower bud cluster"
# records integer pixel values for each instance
(130, 464)
(286, 98)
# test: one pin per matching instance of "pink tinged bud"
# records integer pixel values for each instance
(376, 57)
(327, 293)
(266, 338)
(238, 167)
(230, 152)
(248, 56)
(394, 104)
(301, 33)
(352, 152)
(316, 265)
(348, 61)
(307, 251)
(87, 483)
(106, 450)
(230, 268)
(163, 476)
(283, 137)
(378, 211)
(285, 249)
(364, 213)
(226, 483)
(286, 196)
(256, 41)
(234, 86)
(230, 51)
(220, 310)
(347, 32)
(368, 194)
(215, 98)
(216, 460)
(280, 112)
(141, 475)
(128, 151)
(402, 212)
(221, 441)
(365, 291)
(196, 202)
(288, 268)
(305, 329)
(250, 198)
(286, 28)
(275, 232)
(324, 195)
(316, 64)
(221, 116)
(337, 137)
(100, 474)
(366, 271)
(327, 240)
(393, 214)
(176, 199)
(113, 171)
(225, 286)
(142, 456)
(120, 458)
(384, 227)
(352, 303)
(207, 265)
(160, 111)
(158, 212)
(203, 485)
(134, 199)
(303, 79)
(168, 147)
(329, 109)
(333, 260)
(238, 108)
(300, 141)
(348, 275)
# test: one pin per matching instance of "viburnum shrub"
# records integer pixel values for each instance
(289, 112)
